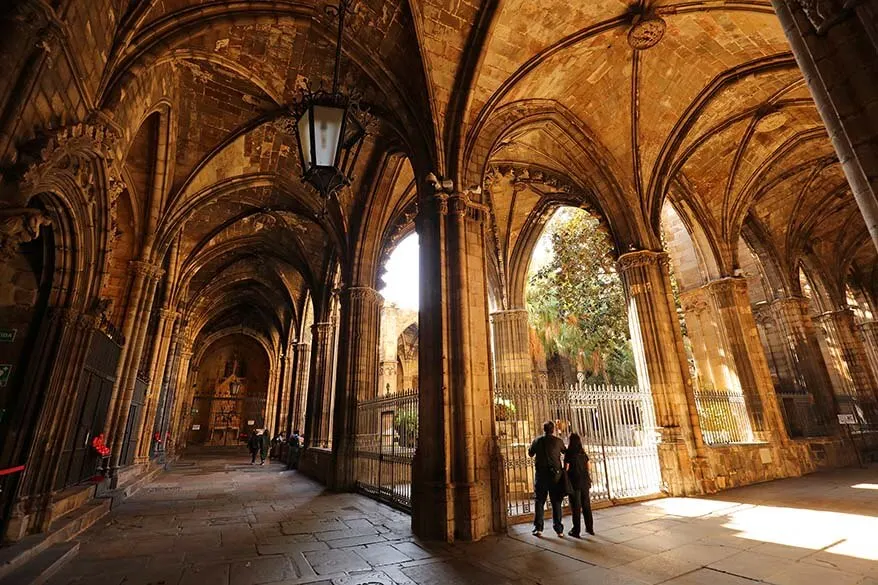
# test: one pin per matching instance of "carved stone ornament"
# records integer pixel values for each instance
(646, 32)
(285, 124)
(640, 258)
(823, 13)
(18, 226)
(67, 149)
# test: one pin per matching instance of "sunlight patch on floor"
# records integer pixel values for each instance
(846, 534)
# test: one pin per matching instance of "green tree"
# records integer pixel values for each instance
(576, 302)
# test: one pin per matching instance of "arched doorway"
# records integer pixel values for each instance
(231, 388)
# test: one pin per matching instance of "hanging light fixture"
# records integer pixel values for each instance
(329, 129)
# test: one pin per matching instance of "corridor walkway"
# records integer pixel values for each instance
(219, 521)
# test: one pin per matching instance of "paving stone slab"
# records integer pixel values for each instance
(335, 561)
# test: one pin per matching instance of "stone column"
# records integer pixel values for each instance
(320, 384)
(357, 377)
(738, 326)
(281, 423)
(711, 358)
(271, 398)
(129, 375)
(182, 397)
(157, 363)
(300, 390)
(457, 487)
(843, 331)
(387, 378)
(835, 43)
(793, 318)
(512, 360)
(166, 399)
(140, 273)
(869, 335)
(661, 366)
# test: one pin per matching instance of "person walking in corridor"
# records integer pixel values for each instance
(295, 450)
(547, 451)
(264, 444)
(253, 446)
(576, 463)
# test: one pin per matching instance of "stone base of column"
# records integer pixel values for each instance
(678, 476)
(459, 511)
(341, 475)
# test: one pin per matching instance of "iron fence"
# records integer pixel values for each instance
(617, 426)
(723, 417)
(387, 435)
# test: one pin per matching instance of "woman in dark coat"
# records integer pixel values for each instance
(264, 445)
(576, 463)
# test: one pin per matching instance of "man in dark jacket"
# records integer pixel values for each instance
(547, 451)
(253, 446)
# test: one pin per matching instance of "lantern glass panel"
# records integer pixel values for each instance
(327, 133)
(304, 127)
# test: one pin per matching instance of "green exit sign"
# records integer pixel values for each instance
(7, 335)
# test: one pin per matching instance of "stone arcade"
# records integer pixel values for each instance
(169, 281)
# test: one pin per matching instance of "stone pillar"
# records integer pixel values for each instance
(776, 348)
(157, 363)
(835, 43)
(182, 399)
(869, 335)
(457, 488)
(281, 423)
(387, 384)
(357, 377)
(166, 399)
(300, 390)
(125, 384)
(661, 364)
(712, 361)
(738, 326)
(843, 331)
(271, 397)
(512, 360)
(793, 318)
(140, 273)
(320, 385)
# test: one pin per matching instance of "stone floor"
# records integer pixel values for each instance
(215, 520)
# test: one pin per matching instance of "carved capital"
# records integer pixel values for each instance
(362, 294)
(763, 314)
(509, 316)
(823, 14)
(694, 302)
(641, 258)
(18, 226)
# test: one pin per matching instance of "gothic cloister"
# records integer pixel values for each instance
(168, 281)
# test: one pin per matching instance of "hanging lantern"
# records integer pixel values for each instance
(329, 129)
(330, 137)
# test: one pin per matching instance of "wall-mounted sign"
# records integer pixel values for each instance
(847, 419)
(196, 427)
(7, 335)
(250, 423)
(5, 374)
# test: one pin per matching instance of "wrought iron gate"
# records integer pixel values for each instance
(387, 435)
(617, 426)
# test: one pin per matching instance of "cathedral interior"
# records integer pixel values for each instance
(198, 199)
